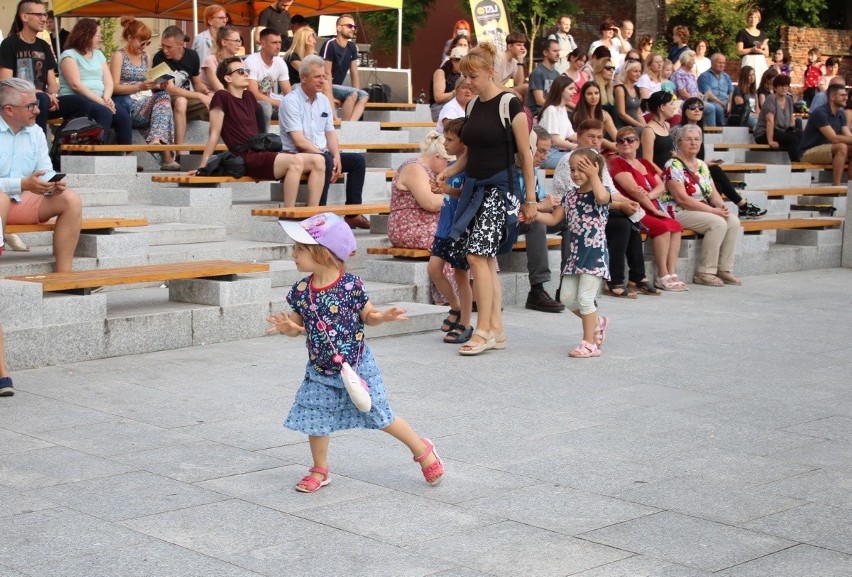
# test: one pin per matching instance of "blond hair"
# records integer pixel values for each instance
(433, 145)
(478, 59)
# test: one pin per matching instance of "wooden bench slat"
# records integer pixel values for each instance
(140, 274)
(790, 223)
(87, 224)
(93, 148)
(735, 146)
(187, 179)
(302, 212)
(423, 253)
(807, 191)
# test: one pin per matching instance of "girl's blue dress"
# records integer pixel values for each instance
(322, 404)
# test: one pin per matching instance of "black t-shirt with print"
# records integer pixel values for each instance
(187, 68)
(27, 61)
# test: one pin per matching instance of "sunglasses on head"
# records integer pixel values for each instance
(626, 140)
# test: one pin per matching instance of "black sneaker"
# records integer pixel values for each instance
(6, 389)
(755, 211)
(539, 300)
(744, 212)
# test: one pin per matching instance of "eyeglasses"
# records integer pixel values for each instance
(626, 140)
(237, 40)
(350, 26)
(30, 107)
(243, 71)
(37, 14)
(610, 68)
(144, 43)
(695, 107)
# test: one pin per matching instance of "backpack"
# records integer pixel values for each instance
(80, 130)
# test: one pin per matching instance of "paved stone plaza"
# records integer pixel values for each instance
(714, 437)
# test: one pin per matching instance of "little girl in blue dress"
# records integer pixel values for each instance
(585, 207)
(331, 307)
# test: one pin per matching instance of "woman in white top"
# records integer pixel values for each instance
(83, 70)
(702, 63)
(215, 17)
(652, 80)
(554, 118)
(228, 43)
(455, 108)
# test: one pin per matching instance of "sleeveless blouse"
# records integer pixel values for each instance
(409, 225)
(130, 73)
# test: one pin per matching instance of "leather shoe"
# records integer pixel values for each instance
(539, 300)
(358, 221)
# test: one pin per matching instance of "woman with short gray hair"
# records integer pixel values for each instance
(692, 199)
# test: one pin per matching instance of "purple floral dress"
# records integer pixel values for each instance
(332, 319)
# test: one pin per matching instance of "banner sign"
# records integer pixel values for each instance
(490, 22)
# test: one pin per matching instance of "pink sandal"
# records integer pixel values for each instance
(434, 473)
(585, 350)
(310, 484)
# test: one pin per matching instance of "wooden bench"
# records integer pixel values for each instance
(758, 226)
(391, 106)
(800, 166)
(82, 282)
(214, 181)
(742, 147)
(420, 253)
(732, 167)
(807, 191)
(303, 212)
(119, 148)
(90, 225)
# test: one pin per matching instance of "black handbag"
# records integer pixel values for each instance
(223, 164)
(266, 142)
(79, 130)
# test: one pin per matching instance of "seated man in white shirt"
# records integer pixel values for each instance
(306, 124)
(269, 79)
(455, 107)
(26, 173)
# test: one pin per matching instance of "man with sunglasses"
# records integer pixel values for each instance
(341, 58)
(26, 170)
(24, 55)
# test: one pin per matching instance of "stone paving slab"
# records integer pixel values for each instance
(712, 437)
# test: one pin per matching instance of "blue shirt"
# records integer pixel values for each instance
(812, 135)
(721, 85)
(820, 99)
(22, 154)
(448, 208)
(314, 120)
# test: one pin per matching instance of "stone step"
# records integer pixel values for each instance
(103, 196)
(231, 249)
(181, 233)
(154, 214)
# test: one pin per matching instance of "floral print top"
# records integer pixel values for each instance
(331, 313)
(588, 253)
(699, 190)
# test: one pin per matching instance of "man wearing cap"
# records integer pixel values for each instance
(341, 58)
(306, 125)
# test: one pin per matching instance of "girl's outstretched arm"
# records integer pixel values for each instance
(373, 316)
(291, 325)
(552, 218)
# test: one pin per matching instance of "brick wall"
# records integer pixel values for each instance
(835, 43)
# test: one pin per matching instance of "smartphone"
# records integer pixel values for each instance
(57, 177)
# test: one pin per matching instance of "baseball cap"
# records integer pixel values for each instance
(458, 52)
(326, 229)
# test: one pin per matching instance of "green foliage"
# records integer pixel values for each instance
(534, 17)
(109, 36)
(777, 13)
(716, 21)
(382, 24)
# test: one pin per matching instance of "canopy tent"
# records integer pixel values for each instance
(242, 12)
